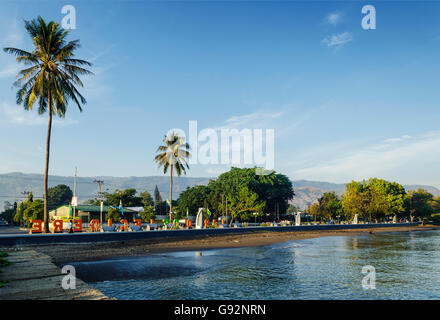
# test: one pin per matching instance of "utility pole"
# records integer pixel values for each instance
(100, 183)
(278, 211)
(74, 200)
(25, 194)
(226, 207)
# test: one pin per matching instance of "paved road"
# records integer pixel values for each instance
(12, 230)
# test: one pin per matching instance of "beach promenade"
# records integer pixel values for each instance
(32, 275)
(84, 237)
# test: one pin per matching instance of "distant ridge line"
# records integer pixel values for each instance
(14, 183)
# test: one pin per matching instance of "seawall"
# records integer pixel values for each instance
(35, 239)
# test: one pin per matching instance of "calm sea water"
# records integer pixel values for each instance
(407, 267)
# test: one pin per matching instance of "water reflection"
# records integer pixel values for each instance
(324, 268)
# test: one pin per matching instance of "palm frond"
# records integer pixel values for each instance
(54, 73)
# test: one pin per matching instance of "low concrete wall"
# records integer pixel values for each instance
(29, 239)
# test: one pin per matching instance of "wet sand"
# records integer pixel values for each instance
(64, 253)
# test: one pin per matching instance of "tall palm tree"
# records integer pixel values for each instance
(173, 154)
(51, 78)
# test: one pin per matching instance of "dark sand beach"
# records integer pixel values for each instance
(63, 253)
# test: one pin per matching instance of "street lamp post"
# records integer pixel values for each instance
(100, 183)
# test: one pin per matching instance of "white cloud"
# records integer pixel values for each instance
(17, 115)
(11, 35)
(101, 53)
(406, 159)
(252, 120)
(338, 40)
(400, 139)
(9, 71)
(14, 39)
(333, 18)
(12, 32)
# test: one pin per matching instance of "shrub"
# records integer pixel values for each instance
(114, 215)
(147, 214)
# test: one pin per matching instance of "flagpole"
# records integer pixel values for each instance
(74, 192)
(100, 212)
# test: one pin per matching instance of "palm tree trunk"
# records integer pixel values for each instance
(46, 171)
(171, 190)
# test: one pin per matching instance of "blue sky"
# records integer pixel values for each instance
(345, 103)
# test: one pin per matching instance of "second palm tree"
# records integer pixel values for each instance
(173, 154)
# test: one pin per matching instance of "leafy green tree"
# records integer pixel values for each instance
(173, 154)
(375, 199)
(313, 210)
(147, 214)
(34, 211)
(274, 190)
(355, 199)
(160, 206)
(114, 214)
(419, 204)
(50, 79)
(127, 197)
(58, 196)
(292, 209)
(435, 204)
(193, 198)
(157, 196)
(329, 206)
(9, 213)
(29, 210)
(146, 199)
(386, 198)
(19, 215)
(215, 200)
(243, 203)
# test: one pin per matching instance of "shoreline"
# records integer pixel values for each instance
(78, 252)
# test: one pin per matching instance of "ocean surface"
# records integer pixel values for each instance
(406, 264)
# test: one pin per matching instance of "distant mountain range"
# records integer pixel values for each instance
(12, 186)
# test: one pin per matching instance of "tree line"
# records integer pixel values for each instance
(373, 201)
(244, 195)
(33, 209)
(130, 198)
(241, 194)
